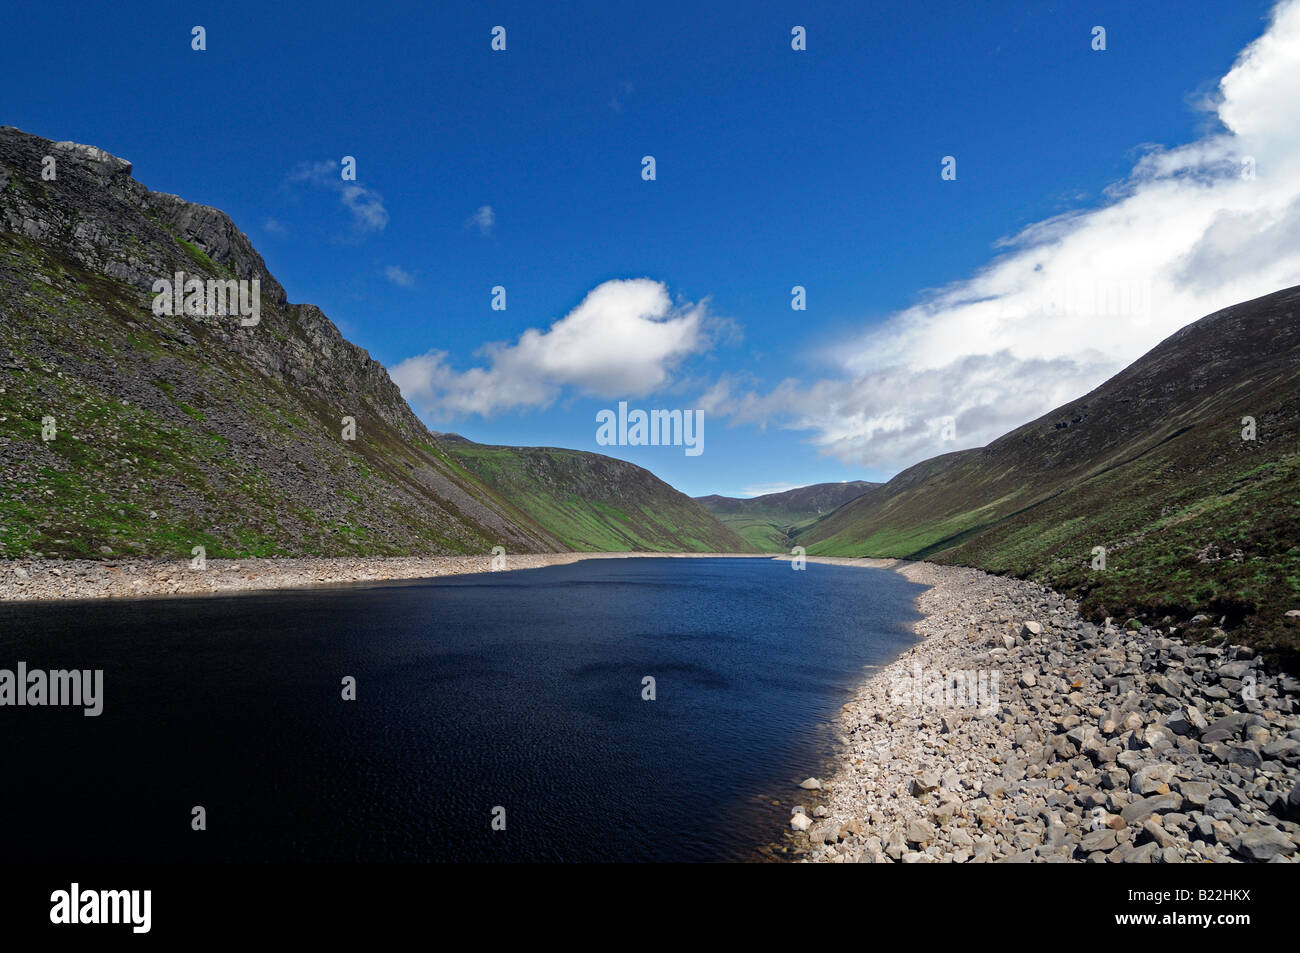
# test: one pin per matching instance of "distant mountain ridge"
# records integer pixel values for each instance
(1151, 466)
(769, 521)
(172, 432)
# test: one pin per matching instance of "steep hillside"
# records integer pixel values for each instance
(1151, 466)
(173, 431)
(769, 521)
(595, 503)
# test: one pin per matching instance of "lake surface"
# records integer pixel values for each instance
(520, 690)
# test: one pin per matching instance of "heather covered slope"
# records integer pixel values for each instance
(178, 431)
(1152, 466)
(593, 502)
(769, 521)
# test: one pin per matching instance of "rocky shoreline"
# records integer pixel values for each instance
(1063, 741)
(46, 579)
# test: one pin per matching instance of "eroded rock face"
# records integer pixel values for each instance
(110, 222)
(1124, 745)
(96, 160)
(216, 236)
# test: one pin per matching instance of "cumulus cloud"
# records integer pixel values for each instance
(399, 276)
(485, 219)
(623, 340)
(1071, 300)
(365, 204)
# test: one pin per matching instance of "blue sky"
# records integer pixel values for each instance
(775, 168)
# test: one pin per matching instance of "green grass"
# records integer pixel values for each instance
(592, 504)
(1153, 517)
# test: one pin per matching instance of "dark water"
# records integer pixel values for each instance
(519, 689)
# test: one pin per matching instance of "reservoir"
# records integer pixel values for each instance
(519, 696)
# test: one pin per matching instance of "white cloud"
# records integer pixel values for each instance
(623, 340)
(763, 489)
(365, 204)
(484, 220)
(1075, 298)
(399, 276)
(275, 227)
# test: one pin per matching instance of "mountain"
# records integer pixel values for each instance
(593, 503)
(1152, 466)
(769, 521)
(173, 431)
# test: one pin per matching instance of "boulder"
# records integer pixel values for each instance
(1139, 810)
(1246, 755)
(827, 832)
(1196, 794)
(1263, 843)
(1103, 840)
(1186, 721)
(1149, 777)
(925, 782)
(919, 832)
(1156, 833)
(1226, 727)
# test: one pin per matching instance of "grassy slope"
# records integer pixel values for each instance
(769, 522)
(592, 502)
(764, 533)
(768, 532)
(156, 477)
(1151, 466)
